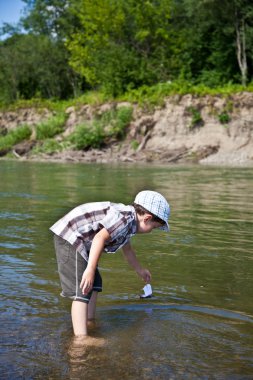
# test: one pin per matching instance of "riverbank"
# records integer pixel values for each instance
(185, 129)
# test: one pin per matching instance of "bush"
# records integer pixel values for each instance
(224, 118)
(50, 146)
(134, 144)
(51, 127)
(86, 136)
(211, 78)
(111, 124)
(116, 121)
(14, 137)
(123, 119)
(197, 120)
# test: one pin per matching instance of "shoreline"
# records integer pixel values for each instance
(219, 159)
(185, 130)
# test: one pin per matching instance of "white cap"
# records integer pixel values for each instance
(156, 204)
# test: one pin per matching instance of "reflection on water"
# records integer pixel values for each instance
(199, 323)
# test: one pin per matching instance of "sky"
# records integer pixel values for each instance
(10, 11)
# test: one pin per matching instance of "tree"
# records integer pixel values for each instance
(34, 66)
(37, 63)
(48, 17)
(224, 30)
(121, 44)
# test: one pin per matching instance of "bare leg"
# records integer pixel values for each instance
(79, 313)
(92, 305)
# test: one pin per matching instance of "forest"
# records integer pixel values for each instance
(61, 49)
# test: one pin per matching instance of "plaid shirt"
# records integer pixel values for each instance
(82, 223)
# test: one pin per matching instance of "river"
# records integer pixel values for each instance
(198, 324)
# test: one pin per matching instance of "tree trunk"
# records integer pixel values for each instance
(241, 49)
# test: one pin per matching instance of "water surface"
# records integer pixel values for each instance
(198, 325)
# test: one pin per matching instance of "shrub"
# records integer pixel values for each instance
(14, 137)
(224, 117)
(86, 136)
(197, 120)
(116, 121)
(123, 119)
(111, 124)
(50, 127)
(134, 144)
(50, 146)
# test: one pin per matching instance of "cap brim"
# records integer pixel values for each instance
(165, 228)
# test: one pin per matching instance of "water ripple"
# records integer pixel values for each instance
(14, 215)
(221, 313)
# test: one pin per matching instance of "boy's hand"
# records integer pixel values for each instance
(132, 259)
(145, 275)
(87, 281)
(96, 250)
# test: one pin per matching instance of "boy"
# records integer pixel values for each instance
(86, 232)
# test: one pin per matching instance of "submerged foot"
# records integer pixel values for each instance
(86, 340)
(80, 346)
(92, 324)
(92, 341)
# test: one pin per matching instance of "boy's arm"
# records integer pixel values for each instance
(96, 250)
(132, 260)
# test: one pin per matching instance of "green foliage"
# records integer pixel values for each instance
(229, 106)
(50, 18)
(94, 98)
(14, 137)
(134, 144)
(111, 124)
(211, 78)
(86, 136)
(35, 66)
(142, 50)
(197, 120)
(50, 127)
(116, 121)
(151, 95)
(121, 45)
(50, 146)
(220, 38)
(155, 95)
(224, 117)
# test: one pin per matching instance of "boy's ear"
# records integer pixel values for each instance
(147, 217)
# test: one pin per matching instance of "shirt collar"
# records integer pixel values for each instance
(134, 224)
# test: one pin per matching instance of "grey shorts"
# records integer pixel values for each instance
(71, 266)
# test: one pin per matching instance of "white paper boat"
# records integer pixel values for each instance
(147, 291)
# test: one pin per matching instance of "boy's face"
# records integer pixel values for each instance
(146, 224)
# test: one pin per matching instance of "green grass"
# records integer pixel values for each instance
(50, 146)
(134, 144)
(93, 98)
(44, 131)
(144, 96)
(155, 95)
(14, 137)
(39, 104)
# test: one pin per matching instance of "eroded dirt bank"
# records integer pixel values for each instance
(208, 130)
